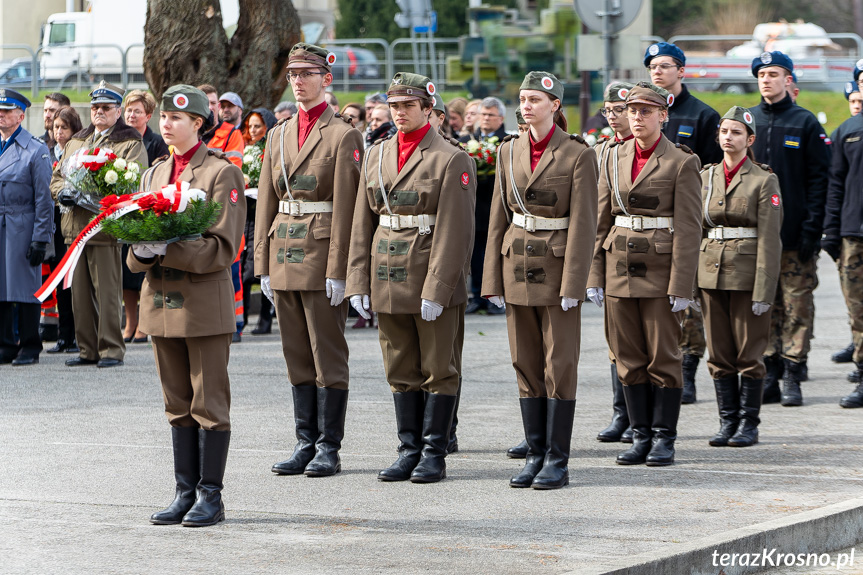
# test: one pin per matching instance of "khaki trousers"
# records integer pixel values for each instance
(736, 337)
(643, 335)
(194, 376)
(850, 266)
(793, 313)
(421, 355)
(96, 303)
(313, 338)
(544, 342)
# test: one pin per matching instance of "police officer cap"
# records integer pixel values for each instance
(519, 119)
(544, 82)
(303, 53)
(858, 69)
(664, 49)
(617, 92)
(776, 58)
(10, 99)
(850, 88)
(407, 86)
(185, 98)
(742, 115)
(106, 93)
(647, 93)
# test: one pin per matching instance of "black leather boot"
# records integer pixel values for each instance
(853, 399)
(845, 355)
(332, 406)
(437, 421)
(639, 405)
(213, 453)
(187, 472)
(533, 418)
(666, 410)
(452, 446)
(791, 394)
(728, 401)
(306, 424)
(690, 367)
(619, 419)
(558, 434)
(410, 406)
(265, 319)
(775, 370)
(750, 407)
(518, 451)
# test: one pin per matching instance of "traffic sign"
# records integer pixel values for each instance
(620, 14)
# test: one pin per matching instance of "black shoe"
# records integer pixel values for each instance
(533, 418)
(73, 347)
(4, 359)
(236, 337)
(264, 326)
(49, 332)
(804, 371)
(452, 446)
(791, 394)
(854, 399)
(690, 368)
(437, 421)
(639, 406)
(555, 471)
(77, 361)
(853, 376)
(187, 472)
(109, 362)
(845, 355)
(728, 402)
(619, 419)
(666, 411)
(208, 508)
(473, 306)
(61, 346)
(306, 426)
(750, 406)
(26, 360)
(518, 451)
(410, 407)
(139, 339)
(492, 309)
(626, 436)
(332, 406)
(775, 366)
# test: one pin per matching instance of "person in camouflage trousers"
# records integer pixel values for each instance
(692, 345)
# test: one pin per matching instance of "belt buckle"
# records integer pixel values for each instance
(530, 223)
(294, 208)
(720, 230)
(395, 223)
(637, 223)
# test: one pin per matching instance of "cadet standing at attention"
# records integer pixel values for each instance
(538, 255)
(413, 229)
(302, 233)
(645, 261)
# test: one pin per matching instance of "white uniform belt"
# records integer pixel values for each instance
(533, 223)
(299, 207)
(639, 223)
(396, 222)
(721, 233)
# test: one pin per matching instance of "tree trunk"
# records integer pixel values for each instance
(185, 43)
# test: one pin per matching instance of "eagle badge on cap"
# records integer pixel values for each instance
(766, 57)
(849, 86)
(547, 83)
(397, 80)
(102, 84)
(859, 64)
(181, 101)
(653, 50)
(670, 99)
(747, 117)
(430, 89)
(331, 58)
(2, 94)
(622, 93)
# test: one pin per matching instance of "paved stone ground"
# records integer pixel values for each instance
(85, 458)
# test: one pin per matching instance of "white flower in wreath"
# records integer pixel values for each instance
(133, 167)
(120, 164)
(246, 179)
(248, 159)
(472, 146)
(590, 140)
(111, 177)
(130, 176)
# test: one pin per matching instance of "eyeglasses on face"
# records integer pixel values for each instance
(664, 66)
(615, 111)
(643, 112)
(294, 76)
(102, 107)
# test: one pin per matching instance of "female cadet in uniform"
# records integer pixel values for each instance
(645, 261)
(737, 273)
(538, 254)
(187, 307)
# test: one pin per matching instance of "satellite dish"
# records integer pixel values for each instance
(623, 13)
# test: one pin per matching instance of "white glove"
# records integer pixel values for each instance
(266, 289)
(430, 310)
(596, 295)
(678, 303)
(759, 307)
(568, 303)
(497, 300)
(149, 251)
(361, 304)
(696, 305)
(335, 291)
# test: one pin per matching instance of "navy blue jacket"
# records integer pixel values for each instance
(694, 124)
(844, 213)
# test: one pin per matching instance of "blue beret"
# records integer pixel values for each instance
(850, 88)
(858, 69)
(772, 59)
(106, 93)
(664, 49)
(793, 77)
(10, 99)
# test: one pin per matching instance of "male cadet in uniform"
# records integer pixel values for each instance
(302, 233)
(794, 146)
(413, 227)
(694, 124)
(843, 229)
(96, 285)
(26, 225)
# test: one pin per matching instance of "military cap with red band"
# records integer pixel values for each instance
(303, 53)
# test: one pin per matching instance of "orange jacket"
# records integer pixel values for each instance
(229, 139)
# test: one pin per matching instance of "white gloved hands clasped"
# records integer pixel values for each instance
(497, 300)
(361, 304)
(678, 303)
(149, 251)
(568, 303)
(759, 307)
(696, 305)
(266, 289)
(335, 291)
(596, 295)
(430, 310)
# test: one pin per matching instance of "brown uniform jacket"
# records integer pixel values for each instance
(300, 252)
(538, 268)
(655, 262)
(124, 141)
(188, 292)
(399, 268)
(752, 200)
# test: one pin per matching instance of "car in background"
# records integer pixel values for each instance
(355, 67)
(16, 73)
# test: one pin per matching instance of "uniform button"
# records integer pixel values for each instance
(633, 200)
(288, 253)
(167, 299)
(290, 231)
(530, 249)
(630, 244)
(293, 181)
(392, 248)
(392, 273)
(720, 202)
(716, 265)
(530, 275)
(531, 196)
(632, 268)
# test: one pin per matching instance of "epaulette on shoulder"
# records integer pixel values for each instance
(219, 154)
(509, 137)
(454, 142)
(282, 121)
(765, 167)
(706, 167)
(578, 139)
(684, 148)
(613, 143)
(344, 119)
(382, 140)
(160, 159)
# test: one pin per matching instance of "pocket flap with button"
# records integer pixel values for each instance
(663, 247)
(559, 250)
(747, 248)
(608, 243)
(505, 247)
